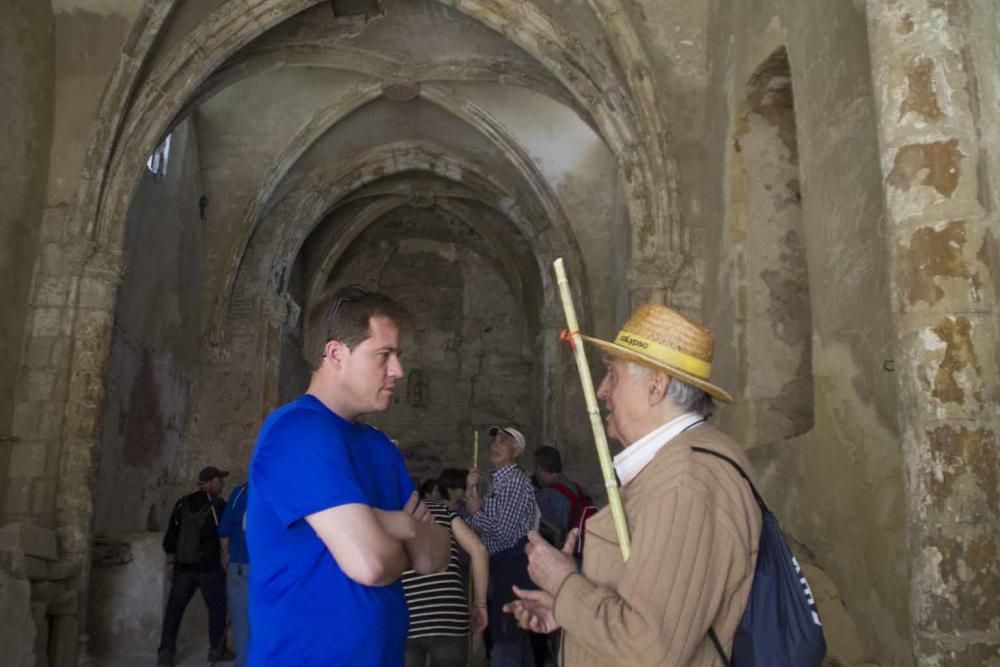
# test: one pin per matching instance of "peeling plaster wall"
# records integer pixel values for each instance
(929, 62)
(27, 78)
(154, 351)
(838, 487)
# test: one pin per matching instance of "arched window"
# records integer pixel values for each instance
(157, 162)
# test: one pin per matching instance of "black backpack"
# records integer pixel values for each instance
(780, 626)
(189, 528)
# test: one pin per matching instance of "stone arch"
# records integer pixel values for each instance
(278, 240)
(138, 113)
(318, 194)
(327, 119)
(390, 70)
(639, 141)
(380, 208)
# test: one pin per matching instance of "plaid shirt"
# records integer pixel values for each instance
(509, 510)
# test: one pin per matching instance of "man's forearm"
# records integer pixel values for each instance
(480, 563)
(426, 546)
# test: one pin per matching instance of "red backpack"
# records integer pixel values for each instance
(581, 508)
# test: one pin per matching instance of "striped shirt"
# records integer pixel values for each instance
(509, 510)
(437, 602)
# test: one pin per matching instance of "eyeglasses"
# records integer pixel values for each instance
(349, 293)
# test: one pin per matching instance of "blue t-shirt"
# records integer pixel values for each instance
(231, 525)
(304, 610)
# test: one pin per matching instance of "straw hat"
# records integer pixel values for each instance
(663, 339)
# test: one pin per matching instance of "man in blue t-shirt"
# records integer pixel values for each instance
(232, 535)
(333, 520)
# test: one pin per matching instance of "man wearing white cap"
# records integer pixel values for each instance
(503, 520)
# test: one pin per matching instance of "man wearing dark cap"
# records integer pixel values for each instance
(192, 540)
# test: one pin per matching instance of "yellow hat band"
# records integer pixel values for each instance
(677, 359)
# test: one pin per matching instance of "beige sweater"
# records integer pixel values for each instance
(695, 528)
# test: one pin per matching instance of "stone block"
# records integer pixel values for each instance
(48, 321)
(126, 600)
(50, 426)
(53, 224)
(96, 293)
(39, 352)
(66, 604)
(65, 639)
(61, 348)
(17, 629)
(34, 569)
(45, 591)
(18, 500)
(30, 540)
(27, 459)
(43, 495)
(39, 384)
(63, 569)
(51, 291)
(39, 614)
(57, 259)
(27, 415)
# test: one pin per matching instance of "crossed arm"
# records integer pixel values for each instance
(374, 547)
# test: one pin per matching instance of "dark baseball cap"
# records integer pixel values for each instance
(209, 473)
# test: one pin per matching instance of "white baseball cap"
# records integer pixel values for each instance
(512, 432)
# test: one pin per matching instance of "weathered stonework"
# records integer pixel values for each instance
(791, 171)
(946, 323)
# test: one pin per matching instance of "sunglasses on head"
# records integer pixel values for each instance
(349, 293)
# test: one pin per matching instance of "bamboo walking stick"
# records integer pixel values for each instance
(475, 450)
(600, 439)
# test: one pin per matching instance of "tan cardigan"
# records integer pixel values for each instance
(695, 528)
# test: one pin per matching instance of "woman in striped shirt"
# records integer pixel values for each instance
(440, 615)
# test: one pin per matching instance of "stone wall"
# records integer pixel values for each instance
(834, 477)
(937, 133)
(26, 77)
(155, 346)
(818, 183)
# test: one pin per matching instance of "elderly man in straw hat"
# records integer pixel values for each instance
(693, 520)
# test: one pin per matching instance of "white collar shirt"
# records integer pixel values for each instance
(630, 462)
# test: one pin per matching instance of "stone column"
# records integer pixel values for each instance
(940, 237)
(277, 315)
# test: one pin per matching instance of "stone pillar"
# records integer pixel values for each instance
(944, 303)
(277, 315)
(57, 410)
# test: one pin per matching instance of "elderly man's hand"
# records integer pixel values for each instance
(533, 610)
(548, 567)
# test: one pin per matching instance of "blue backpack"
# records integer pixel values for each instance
(780, 626)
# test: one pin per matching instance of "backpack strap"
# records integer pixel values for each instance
(763, 506)
(211, 506)
(757, 497)
(565, 491)
(718, 646)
